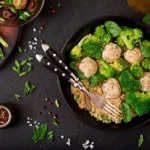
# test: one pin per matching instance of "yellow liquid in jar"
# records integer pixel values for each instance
(142, 6)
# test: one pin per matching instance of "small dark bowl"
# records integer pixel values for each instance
(64, 87)
(18, 22)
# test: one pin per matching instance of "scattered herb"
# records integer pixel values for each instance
(126, 112)
(40, 132)
(51, 136)
(19, 66)
(17, 96)
(54, 122)
(140, 141)
(146, 19)
(20, 49)
(57, 103)
(29, 88)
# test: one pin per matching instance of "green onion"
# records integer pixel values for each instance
(57, 103)
(20, 49)
(51, 136)
(140, 141)
(29, 88)
(54, 122)
(17, 96)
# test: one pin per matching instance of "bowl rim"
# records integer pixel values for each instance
(30, 20)
(59, 80)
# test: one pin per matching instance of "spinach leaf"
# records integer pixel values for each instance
(112, 28)
(95, 79)
(140, 141)
(146, 19)
(77, 72)
(145, 51)
(40, 133)
(126, 112)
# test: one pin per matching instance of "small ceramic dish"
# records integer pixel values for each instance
(5, 116)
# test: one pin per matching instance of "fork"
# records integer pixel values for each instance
(55, 64)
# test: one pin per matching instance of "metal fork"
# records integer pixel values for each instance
(57, 66)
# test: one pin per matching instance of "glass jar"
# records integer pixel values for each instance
(142, 6)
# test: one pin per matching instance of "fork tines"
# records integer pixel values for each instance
(112, 110)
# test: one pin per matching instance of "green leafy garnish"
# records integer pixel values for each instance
(57, 103)
(126, 112)
(146, 19)
(140, 141)
(51, 136)
(17, 96)
(24, 15)
(54, 122)
(13, 10)
(29, 88)
(40, 133)
(112, 28)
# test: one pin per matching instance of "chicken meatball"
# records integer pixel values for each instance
(20, 4)
(134, 55)
(111, 52)
(111, 88)
(88, 66)
(145, 82)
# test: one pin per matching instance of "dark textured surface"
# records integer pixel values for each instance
(59, 27)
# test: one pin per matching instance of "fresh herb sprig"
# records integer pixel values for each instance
(29, 88)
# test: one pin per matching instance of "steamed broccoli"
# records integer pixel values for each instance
(128, 83)
(136, 70)
(75, 53)
(107, 70)
(131, 37)
(146, 63)
(99, 31)
(120, 42)
(145, 48)
(92, 47)
(120, 65)
(140, 102)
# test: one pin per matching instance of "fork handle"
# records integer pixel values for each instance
(53, 68)
(54, 56)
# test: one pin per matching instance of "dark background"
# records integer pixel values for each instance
(59, 26)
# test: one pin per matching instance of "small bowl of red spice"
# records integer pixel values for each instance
(5, 116)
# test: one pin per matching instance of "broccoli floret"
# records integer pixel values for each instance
(145, 48)
(131, 37)
(83, 39)
(107, 70)
(146, 63)
(120, 65)
(75, 53)
(128, 82)
(140, 102)
(136, 70)
(120, 42)
(92, 47)
(99, 31)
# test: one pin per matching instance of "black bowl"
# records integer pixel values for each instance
(64, 87)
(18, 22)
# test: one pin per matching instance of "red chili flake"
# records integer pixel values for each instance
(49, 103)
(53, 11)
(3, 116)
